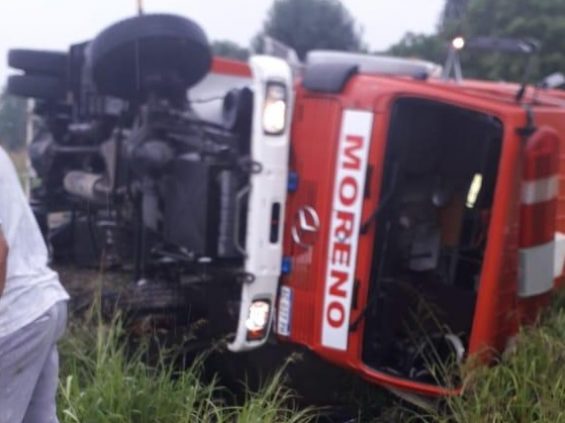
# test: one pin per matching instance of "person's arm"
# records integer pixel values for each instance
(3, 260)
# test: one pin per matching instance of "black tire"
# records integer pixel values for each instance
(128, 54)
(34, 86)
(38, 61)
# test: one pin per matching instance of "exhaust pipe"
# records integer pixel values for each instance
(88, 186)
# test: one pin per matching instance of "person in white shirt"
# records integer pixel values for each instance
(33, 310)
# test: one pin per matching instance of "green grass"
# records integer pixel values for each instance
(527, 386)
(102, 382)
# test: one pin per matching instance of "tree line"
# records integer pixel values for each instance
(327, 24)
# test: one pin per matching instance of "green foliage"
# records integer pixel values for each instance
(103, 381)
(13, 117)
(454, 10)
(453, 17)
(420, 46)
(230, 50)
(527, 386)
(271, 405)
(543, 20)
(313, 24)
(99, 384)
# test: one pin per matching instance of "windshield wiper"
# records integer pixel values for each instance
(382, 204)
(377, 288)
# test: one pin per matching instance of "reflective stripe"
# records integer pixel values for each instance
(559, 260)
(537, 223)
(540, 190)
(536, 270)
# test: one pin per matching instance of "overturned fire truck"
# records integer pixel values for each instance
(388, 219)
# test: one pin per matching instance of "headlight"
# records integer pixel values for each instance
(258, 319)
(274, 110)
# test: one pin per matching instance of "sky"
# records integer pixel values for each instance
(55, 24)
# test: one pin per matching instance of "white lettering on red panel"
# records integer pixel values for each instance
(349, 186)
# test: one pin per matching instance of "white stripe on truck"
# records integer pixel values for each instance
(349, 187)
(539, 190)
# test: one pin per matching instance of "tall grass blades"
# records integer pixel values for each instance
(274, 403)
(528, 386)
(102, 381)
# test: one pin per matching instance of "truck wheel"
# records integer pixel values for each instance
(34, 86)
(38, 61)
(130, 56)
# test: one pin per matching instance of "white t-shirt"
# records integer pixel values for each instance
(32, 287)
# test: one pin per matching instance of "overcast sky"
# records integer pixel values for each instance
(54, 24)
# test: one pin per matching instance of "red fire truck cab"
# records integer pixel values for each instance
(423, 220)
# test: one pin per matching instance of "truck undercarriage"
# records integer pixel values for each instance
(158, 159)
